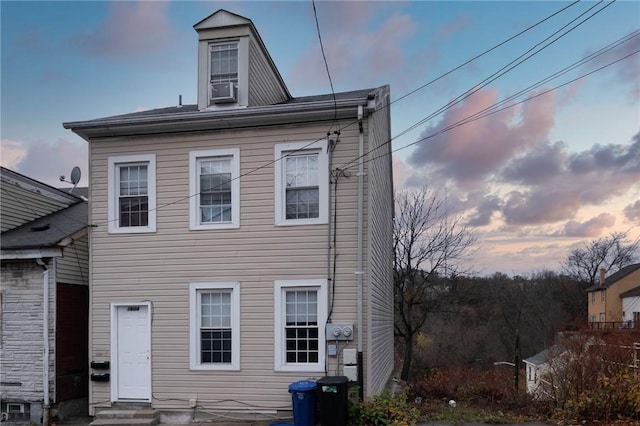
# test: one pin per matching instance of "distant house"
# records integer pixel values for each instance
(536, 369)
(605, 300)
(43, 301)
(241, 243)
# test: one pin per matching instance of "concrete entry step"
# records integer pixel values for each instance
(126, 415)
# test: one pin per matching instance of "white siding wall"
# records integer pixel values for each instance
(21, 347)
(380, 225)
(73, 267)
(159, 266)
(629, 306)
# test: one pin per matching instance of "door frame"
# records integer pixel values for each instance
(114, 348)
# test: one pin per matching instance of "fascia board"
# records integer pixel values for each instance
(215, 120)
(30, 254)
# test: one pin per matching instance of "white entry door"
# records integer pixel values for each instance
(131, 346)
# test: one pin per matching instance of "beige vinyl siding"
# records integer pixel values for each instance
(73, 266)
(19, 205)
(380, 320)
(159, 266)
(264, 87)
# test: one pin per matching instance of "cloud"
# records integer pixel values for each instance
(130, 30)
(11, 153)
(449, 28)
(589, 229)
(486, 208)
(632, 212)
(540, 164)
(626, 70)
(623, 159)
(46, 162)
(355, 42)
(475, 151)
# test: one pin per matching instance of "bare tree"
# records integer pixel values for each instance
(427, 245)
(611, 253)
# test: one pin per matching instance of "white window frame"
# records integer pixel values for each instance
(194, 191)
(233, 81)
(194, 333)
(113, 184)
(293, 148)
(280, 286)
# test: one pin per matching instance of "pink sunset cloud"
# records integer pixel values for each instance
(474, 152)
(11, 153)
(46, 162)
(130, 29)
(348, 31)
(591, 228)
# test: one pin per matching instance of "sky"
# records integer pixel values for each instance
(555, 165)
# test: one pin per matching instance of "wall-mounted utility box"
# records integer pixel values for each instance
(349, 357)
(343, 331)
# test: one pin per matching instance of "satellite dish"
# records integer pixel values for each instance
(75, 175)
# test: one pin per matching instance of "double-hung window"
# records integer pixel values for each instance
(215, 326)
(214, 189)
(301, 183)
(132, 193)
(300, 317)
(223, 71)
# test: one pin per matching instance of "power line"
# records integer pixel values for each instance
(326, 66)
(502, 71)
(468, 119)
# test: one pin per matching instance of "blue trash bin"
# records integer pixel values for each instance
(303, 398)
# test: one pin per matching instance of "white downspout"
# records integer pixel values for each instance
(45, 342)
(360, 263)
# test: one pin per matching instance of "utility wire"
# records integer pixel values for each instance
(326, 66)
(501, 72)
(468, 120)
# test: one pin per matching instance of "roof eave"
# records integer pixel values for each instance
(21, 254)
(217, 120)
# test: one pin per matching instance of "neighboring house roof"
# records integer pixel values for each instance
(611, 279)
(24, 199)
(634, 292)
(538, 359)
(189, 118)
(50, 231)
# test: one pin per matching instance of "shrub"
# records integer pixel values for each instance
(384, 410)
(616, 397)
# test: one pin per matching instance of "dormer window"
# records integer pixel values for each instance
(223, 72)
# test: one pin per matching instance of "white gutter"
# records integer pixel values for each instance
(360, 264)
(45, 343)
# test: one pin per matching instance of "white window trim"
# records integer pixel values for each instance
(279, 340)
(112, 177)
(194, 199)
(323, 182)
(194, 338)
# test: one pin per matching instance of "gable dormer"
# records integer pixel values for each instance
(234, 67)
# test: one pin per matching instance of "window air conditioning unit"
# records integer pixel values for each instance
(224, 92)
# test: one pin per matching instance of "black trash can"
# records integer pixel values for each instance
(333, 399)
(303, 398)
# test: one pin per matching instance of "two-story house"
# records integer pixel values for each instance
(606, 300)
(240, 244)
(44, 301)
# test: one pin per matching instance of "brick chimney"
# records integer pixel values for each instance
(602, 276)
